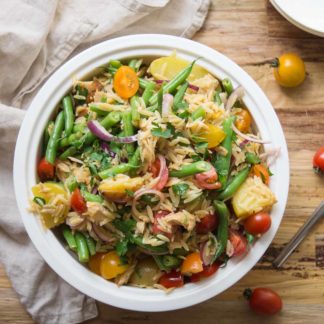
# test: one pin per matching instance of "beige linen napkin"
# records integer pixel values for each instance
(35, 38)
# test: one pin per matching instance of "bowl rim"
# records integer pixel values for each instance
(27, 151)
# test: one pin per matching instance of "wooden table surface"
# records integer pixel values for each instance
(251, 32)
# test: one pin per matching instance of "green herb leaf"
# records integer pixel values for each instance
(129, 192)
(252, 158)
(122, 246)
(125, 226)
(167, 133)
(180, 189)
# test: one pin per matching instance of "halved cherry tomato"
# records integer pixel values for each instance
(238, 241)
(111, 265)
(125, 82)
(172, 279)
(207, 224)
(208, 180)
(78, 203)
(95, 262)
(45, 170)
(264, 301)
(289, 70)
(155, 169)
(262, 172)
(213, 135)
(243, 121)
(318, 161)
(192, 264)
(258, 223)
(156, 227)
(207, 272)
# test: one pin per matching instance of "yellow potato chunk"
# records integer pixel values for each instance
(116, 188)
(252, 197)
(165, 68)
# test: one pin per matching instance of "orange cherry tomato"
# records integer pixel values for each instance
(173, 279)
(192, 264)
(207, 272)
(95, 262)
(125, 82)
(262, 172)
(289, 70)
(45, 170)
(243, 121)
(111, 265)
(258, 223)
(78, 203)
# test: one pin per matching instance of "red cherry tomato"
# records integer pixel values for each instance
(318, 160)
(207, 224)
(208, 180)
(45, 170)
(264, 301)
(156, 171)
(207, 272)
(239, 243)
(78, 203)
(172, 279)
(156, 227)
(155, 168)
(258, 223)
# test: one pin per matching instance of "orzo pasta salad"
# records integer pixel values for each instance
(153, 173)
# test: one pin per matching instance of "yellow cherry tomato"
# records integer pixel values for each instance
(214, 135)
(243, 121)
(289, 70)
(125, 82)
(95, 263)
(111, 265)
(192, 264)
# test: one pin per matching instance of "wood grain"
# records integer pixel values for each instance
(251, 33)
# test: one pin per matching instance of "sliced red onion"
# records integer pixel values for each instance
(167, 103)
(191, 86)
(243, 143)
(272, 154)
(163, 176)
(208, 250)
(249, 138)
(102, 233)
(99, 131)
(105, 147)
(94, 190)
(236, 94)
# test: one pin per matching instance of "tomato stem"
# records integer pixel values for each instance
(247, 293)
(275, 63)
(318, 170)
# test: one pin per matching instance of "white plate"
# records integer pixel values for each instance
(305, 14)
(27, 155)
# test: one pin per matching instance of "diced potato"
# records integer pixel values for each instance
(167, 67)
(252, 197)
(116, 188)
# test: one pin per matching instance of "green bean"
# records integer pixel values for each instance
(227, 85)
(47, 134)
(171, 262)
(148, 93)
(191, 169)
(138, 240)
(69, 237)
(128, 130)
(53, 142)
(39, 200)
(222, 228)
(68, 114)
(159, 261)
(252, 158)
(115, 64)
(222, 164)
(98, 111)
(82, 247)
(175, 82)
(178, 98)
(134, 162)
(90, 244)
(132, 64)
(217, 97)
(68, 152)
(67, 141)
(198, 113)
(71, 183)
(233, 185)
(160, 99)
(91, 197)
(111, 172)
(134, 108)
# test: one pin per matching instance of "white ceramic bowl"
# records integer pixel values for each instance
(27, 154)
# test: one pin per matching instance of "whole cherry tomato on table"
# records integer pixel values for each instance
(318, 161)
(289, 70)
(258, 223)
(263, 301)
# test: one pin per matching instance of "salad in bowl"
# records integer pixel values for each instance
(154, 173)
